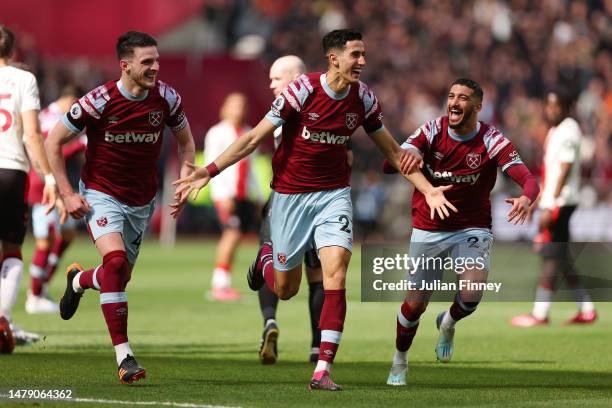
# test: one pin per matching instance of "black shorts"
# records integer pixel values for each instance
(559, 232)
(13, 206)
(242, 218)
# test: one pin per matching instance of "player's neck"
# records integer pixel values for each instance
(132, 87)
(4, 62)
(467, 128)
(336, 83)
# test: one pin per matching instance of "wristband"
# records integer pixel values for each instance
(212, 169)
(49, 179)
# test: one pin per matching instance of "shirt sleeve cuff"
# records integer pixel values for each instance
(69, 125)
(275, 120)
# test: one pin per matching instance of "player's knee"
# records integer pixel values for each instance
(286, 292)
(416, 309)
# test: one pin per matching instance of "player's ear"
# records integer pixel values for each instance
(332, 58)
(124, 64)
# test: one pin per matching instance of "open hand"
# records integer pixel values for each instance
(191, 184)
(438, 203)
(520, 209)
(410, 161)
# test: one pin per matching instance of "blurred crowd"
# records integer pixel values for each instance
(516, 49)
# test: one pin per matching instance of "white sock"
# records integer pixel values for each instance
(52, 260)
(37, 272)
(586, 306)
(540, 310)
(269, 321)
(400, 358)
(221, 279)
(75, 283)
(542, 303)
(447, 321)
(323, 366)
(12, 269)
(122, 350)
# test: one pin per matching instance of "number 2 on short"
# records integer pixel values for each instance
(345, 220)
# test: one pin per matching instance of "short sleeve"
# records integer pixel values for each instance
(508, 156)
(372, 108)
(569, 144)
(177, 120)
(75, 119)
(291, 101)
(87, 110)
(30, 99)
(281, 109)
(422, 137)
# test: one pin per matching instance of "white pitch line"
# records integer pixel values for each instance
(119, 402)
(164, 403)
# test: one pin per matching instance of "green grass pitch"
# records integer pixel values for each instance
(200, 352)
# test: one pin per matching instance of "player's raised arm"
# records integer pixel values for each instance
(238, 150)
(34, 144)
(410, 163)
(74, 203)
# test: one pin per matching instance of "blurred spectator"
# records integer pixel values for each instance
(516, 48)
(369, 204)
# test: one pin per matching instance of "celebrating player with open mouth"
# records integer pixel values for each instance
(459, 149)
(312, 207)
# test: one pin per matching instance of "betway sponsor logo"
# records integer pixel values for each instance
(453, 178)
(131, 137)
(324, 137)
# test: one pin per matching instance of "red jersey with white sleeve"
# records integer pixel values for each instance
(317, 124)
(48, 119)
(124, 134)
(469, 163)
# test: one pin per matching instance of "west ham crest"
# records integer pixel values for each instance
(102, 222)
(155, 118)
(351, 120)
(472, 160)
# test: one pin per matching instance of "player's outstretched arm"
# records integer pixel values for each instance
(521, 206)
(200, 176)
(396, 158)
(35, 147)
(75, 204)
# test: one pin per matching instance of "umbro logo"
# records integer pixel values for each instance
(113, 119)
(438, 155)
(313, 116)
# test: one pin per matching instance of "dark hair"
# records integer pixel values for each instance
(473, 85)
(563, 96)
(132, 39)
(337, 39)
(7, 41)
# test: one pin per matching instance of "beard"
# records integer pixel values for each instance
(467, 115)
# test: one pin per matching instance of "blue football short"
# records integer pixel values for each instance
(300, 222)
